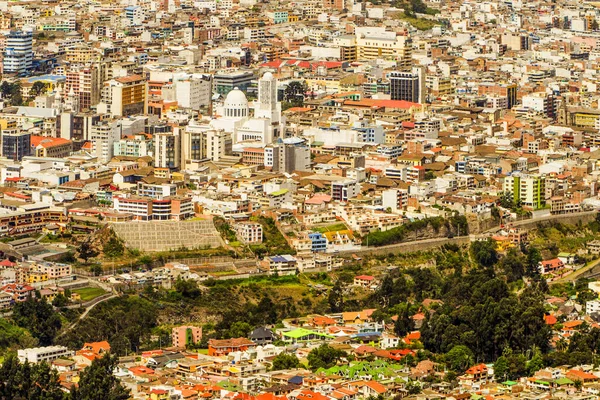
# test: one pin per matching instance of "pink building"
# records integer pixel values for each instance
(184, 335)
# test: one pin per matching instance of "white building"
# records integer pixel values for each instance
(38, 354)
(18, 53)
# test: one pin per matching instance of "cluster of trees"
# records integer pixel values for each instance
(12, 92)
(39, 318)
(126, 322)
(454, 225)
(294, 93)
(38, 381)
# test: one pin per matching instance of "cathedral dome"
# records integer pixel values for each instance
(236, 104)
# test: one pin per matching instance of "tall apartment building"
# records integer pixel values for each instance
(408, 85)
(167, 149)
(287, 158)
(103, 137)
(193, 92)
(15, 144)
(184, 335)
(375, 42)
(344, 190)
(125, 96)
(18, 53)
(85, 82)
(529, 190)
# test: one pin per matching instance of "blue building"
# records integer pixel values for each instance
(319, 242)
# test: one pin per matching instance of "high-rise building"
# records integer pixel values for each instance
(528, 190)
(408, 85)
(167, 149)
(18, 53)
(15, 144)
(125, 96)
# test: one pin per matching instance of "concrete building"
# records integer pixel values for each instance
(408, 86)
(39, 354)
(185, 335)
(15, 144)
(18, 53)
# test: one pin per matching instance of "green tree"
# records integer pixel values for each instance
(99, 382)
(484, 252)
(86, 251)
(113, 248)
(459, 358)
(188, 288)
(39, 318)
(534, 257)
(501, 369)
(535, 364)
(37, 88)
(285, 361)
(336, 297)
(29, 381)
(404, 323)
(239, 329)
(60, 300)
(324, 356)
(294, 92)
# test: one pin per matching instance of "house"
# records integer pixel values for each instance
(262, 335)
(283, 264)
(364, 280)
(550, 266)
(567, 258)
(476, 373)
(226, 346)
(367, 388)
(585, 377)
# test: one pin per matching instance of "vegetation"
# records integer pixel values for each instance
(285, 361)
(224, 229)
(39, 318)
(274, 242)
(126, 322)
(38, 381)
(340, 226)
(293, 95)
(89, 293)
(324, 356)
(399, 234)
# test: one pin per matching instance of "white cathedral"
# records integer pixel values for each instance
(266, 125)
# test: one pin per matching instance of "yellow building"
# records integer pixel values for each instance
(37, 276)
(373, 43)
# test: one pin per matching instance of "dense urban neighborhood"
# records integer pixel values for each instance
(299, 200)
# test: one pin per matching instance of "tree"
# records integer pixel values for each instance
(86, 251)
(324, 356)
(239, 329)
(484, 252)
(534, 257)
(29, 381)
(459, 358)
(60, 300)
(39, 318)
(113, 248)
(98, 381)
(501, 369)
(188, 288)
(37, 88)
(294, 92)
(285, 361)
(535, 364)
(336, 297)
(404, 323)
